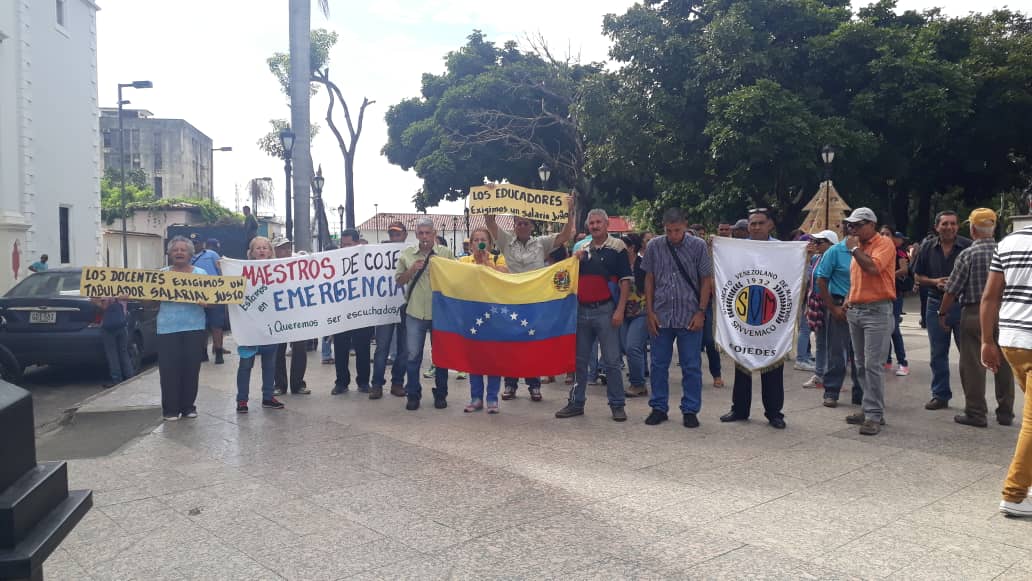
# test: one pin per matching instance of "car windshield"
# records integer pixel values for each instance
(47, 284)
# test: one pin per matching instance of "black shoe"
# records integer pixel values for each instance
(937, 404)
(272, 404)
(218, 359)
(691, 421)
(619, 414)
(241, 407)
(363, 389)
(569, 411)
(777, 423)
(1005, 419)
(204, 358)
(412, 405)
(731, 416)
(440, 403)
(109, 384)
(655, 418)
(966, 420)
(339, 389)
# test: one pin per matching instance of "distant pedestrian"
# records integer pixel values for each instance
(181, 338)
(115, 335)
(250, 225)
(966, 286)
(259, 249)
(804, 355)
(40, 265)
(904, 284)
(872, 291)
(1007, 309)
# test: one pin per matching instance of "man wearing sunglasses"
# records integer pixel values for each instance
(869, 312)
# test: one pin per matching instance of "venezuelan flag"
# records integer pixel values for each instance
(513, 325)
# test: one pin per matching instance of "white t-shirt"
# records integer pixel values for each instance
(1013, 258)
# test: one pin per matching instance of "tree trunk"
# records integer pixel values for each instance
(300, 73)
(349, 189)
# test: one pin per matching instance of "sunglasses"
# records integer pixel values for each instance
(758, 211)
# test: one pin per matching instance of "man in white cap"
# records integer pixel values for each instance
(872, 291)
(820, 243)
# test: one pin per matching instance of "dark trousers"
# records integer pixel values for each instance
(298, 366)
(179, 367)
(772, 392)
(531, 382)
(360, 340)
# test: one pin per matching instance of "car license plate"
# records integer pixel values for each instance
(43, 318)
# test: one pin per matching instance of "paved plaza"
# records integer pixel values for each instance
(340, 487)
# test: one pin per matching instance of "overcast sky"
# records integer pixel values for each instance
(207, 62)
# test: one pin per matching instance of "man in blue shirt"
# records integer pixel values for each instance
(832, 276)
(207, 259)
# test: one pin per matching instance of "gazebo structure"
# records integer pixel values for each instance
(825, 211)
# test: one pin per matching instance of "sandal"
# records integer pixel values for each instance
(718, 382)
(535, 393)
(492, 407)
(475, 406)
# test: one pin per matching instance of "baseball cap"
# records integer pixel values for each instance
(742, 224)
(982, 217)
(213, 241)
(899, 235)
(826, 235)
(861, 214)
(279, 241)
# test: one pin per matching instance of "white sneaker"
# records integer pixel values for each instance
(1023, 508)
(171, 418)
(903, 371)
(812, 382)
(804, 366)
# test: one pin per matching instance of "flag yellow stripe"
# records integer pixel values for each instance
(472, 282)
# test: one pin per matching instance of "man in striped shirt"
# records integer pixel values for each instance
(1007, 303)
(966, 285)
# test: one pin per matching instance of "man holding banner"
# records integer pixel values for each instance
(524, 253)
(678, 286)
(413, 263)
(359, 339)
(385, 336)
(759, 289)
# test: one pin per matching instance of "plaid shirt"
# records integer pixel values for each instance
(970, 272)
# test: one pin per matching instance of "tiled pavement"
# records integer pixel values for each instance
(340, 487)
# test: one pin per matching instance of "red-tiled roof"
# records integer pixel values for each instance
(619, 224)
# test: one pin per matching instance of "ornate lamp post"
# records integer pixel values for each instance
(544, 172)
(317, 185)
(287, 141)
(121, 161)
(376, 221)
(340, 210)
(827, 156)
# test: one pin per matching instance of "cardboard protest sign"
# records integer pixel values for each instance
(540, 205)
(316, 295)
(160, 285)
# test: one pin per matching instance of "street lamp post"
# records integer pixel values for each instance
(121, 161)
(454, 227)
(287, 141)
(317, 185)
(544, 172)
(340, 211)
(211, 169)
(376, 221)
(827, 156)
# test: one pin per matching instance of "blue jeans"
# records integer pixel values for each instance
(897, 336)
(821, 348)
(689, 354)
(415, 337)
(389, 338)
(268, 355)
(633, 335)
(327, 347)
(476, 387)
(939, 340)
(803, 353)
(593, 362)
(116, 349)
(596, 323)
(710, 345)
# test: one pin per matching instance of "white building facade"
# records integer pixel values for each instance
(49, 135)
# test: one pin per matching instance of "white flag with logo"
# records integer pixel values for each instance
(758, 295)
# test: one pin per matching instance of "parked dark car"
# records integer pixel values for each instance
(44, 321)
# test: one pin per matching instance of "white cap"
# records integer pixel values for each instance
(861, 214)
(826, 235)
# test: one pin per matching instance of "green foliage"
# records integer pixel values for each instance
(319, 55)
(143, 198)
(270, 142)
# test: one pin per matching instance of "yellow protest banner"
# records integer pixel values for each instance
(519, 201)
(161, 285)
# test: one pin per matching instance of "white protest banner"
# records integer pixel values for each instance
(315, 295)
(758, 296)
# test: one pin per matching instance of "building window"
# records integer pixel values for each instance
(63, 225)
(159, 187)
(108, 139)
(61, 13)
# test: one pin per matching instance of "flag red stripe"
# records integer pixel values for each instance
(553, 356)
